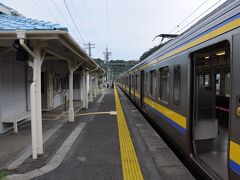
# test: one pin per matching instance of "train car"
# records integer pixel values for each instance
(190, 88)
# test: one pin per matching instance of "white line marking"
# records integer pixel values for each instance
(55, 161)
(113, 112)
(28, 151)
(101, 98)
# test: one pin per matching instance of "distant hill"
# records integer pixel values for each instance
(116, 67)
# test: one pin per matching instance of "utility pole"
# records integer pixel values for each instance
(107, 54)
(89, 46)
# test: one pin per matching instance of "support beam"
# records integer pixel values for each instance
(82, 89)
(71, 68)
(86, 91)
(90, 88)
(71, 108)
(97, 84)
(36, 102)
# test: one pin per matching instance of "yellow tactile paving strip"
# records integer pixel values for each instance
(130, 165)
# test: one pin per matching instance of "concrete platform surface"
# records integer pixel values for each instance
(96, 152)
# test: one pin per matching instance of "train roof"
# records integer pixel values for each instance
(194, 30)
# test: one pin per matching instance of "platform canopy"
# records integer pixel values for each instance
(53, 38)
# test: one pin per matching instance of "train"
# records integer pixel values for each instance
(190, 88)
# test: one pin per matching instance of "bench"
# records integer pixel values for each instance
(17, 118)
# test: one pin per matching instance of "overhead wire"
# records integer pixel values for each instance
(49, 10)
(60, 12)
(200, 15)
(75, 25)
(184, 20)
(40, 8)
(91, 21)
(107, 26)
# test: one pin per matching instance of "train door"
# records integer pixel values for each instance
(142, 75)
(211, 94)
(234, 147)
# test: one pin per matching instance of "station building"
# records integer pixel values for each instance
(41, 68)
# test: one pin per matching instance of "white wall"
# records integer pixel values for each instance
(13, 86)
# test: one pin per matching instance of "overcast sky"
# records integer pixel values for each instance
(127, 27)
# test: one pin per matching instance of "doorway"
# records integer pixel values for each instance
(211, 94)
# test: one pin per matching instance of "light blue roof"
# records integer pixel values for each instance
(8, 22)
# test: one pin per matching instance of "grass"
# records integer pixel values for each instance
(2, 175)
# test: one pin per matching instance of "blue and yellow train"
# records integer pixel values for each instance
(190, 88)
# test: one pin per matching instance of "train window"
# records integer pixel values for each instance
(164, 84)
(177, 85)
(227, 85)
(146, 86)
(153, 83)
(217, 83)
(136, 82)
(132, 83)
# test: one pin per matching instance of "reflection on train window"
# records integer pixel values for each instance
(146, 86)
(136, 82)
(132, 84)
(204, 80)
(177, 85)
(164, 84)
(153, 83)
(217, 84)
(227, 85)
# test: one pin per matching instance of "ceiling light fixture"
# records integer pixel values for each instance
(220, 53)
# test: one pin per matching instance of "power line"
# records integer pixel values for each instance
(40, 8)
(73, 21)
(107, 54)
(49, 10)
(200, 15)
(107, 26)
(91, 21)
(89, 46)
(189, 16)
(60, 12)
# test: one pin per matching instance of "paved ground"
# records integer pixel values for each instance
(96, 153)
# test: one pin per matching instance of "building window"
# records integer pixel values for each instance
(76, 81)
(57, 83)
(164, 84)
(64, 83)
(177, 85)
(153, 84)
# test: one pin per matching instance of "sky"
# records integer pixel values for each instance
(126, 27)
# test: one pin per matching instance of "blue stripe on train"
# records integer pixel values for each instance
(180, 128)
(234, 166)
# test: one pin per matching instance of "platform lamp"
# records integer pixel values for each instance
(21, 53)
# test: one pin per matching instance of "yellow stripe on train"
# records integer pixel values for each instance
(225, 28)
(177, 118)
(235, 152)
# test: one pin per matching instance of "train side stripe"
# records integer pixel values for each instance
(234, 166)
(228, 25)
(180, 128)
(171, 115)
(235, 152)
(177, 120)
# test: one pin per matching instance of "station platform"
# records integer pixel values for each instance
(111, 140)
